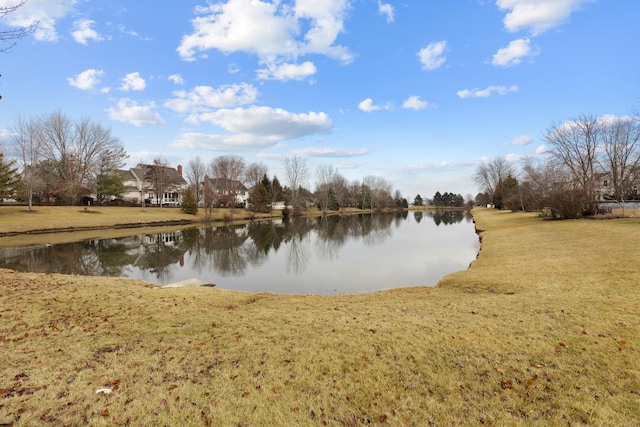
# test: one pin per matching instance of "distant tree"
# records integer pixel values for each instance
(297, 174)
(507, 194)
(482, 199)
(364, 197)
(9, 178)
(195, 173)
(325, 175)
(620, 155)
(228, 172)
(109, 184)
(159, 178)
(332, 200)
(437, 199)
(80, 151)
(488, 174)
(189, 202)
(27, 141)
(418, 200)
(380, 191)
(259, 198)
(574, 146)
(254, 173)
(276, 190)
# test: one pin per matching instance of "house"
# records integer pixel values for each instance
(226, 192)
(605, 190)
(153, 184)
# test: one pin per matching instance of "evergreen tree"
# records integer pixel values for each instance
(8, 178)
(110, 184)
(189, 202)
(332, 203)
(259, 198)
(418, 201)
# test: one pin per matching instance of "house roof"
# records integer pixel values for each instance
(224, 183)
(140, 172)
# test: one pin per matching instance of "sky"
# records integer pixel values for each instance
(419, 92)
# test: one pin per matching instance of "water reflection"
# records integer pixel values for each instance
(304, 255)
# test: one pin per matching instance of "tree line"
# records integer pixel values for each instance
(57, 158)
(589, 160)
(439, 199)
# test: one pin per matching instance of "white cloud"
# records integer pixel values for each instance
(133, 81)
(268, 121)
(542, 150)
(88, 80)
(254, 128)
(176, 78)
(285, 72)
(368, 106)
(129, 111)
(83, 32)
(44, 12)
(432, 56)
(520, 140)
(205, 98)
(537, 15)
(330, 152)
(270, 30)
(513, 54)
(415, 103)
(486, 92)
(229, 142)
(387, 10)
(344, 165)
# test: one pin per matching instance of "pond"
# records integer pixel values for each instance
(326, 255)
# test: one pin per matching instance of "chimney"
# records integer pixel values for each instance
(180, 170)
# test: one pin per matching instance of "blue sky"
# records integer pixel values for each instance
(418, 92)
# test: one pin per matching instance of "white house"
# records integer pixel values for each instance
(143, 182)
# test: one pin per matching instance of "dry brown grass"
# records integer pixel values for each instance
(542, 330)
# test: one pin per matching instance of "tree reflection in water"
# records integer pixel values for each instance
(224, 251)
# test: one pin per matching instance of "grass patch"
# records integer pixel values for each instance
(541, 330)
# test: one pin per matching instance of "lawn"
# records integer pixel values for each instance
(542, 329)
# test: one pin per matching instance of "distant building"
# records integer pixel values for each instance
(226, 193)
(143, 182)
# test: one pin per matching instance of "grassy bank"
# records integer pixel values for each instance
(542, 329)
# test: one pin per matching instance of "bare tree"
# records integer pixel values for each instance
(160, 179)
(195, 172)
(325, 177)
(79, 151)
(621, 155)
(380, 191)
(27, 141)
(99, 153)
(297, 174)
(574, 145)
(489, 174)
(228, 174)
(254, 173)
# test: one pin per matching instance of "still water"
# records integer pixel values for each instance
(330, 255)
